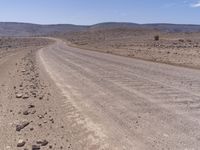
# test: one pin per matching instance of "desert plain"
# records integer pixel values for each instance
(108, 86)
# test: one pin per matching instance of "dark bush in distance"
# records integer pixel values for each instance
(156, 38)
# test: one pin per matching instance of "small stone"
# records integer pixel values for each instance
(40, 116)
(31, 129)
(21, 143)
(31, 106)
(52, 120)
(34, 94)
(19, 95)
(39, 141)
(50, 146)
(42, 142)
(25, 96)
(26, 113)
(22, 125)
(35, 147)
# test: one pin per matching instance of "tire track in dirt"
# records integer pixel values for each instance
(145, 105)
(87, 135)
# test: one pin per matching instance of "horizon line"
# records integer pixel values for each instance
(153, 23)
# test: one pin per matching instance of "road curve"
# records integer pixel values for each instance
(116, 102)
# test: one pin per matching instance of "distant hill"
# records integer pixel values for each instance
(26, 29)
(161, 27)
(174, 27)
(111, 25)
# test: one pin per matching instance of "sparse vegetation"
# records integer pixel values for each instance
(173, 48)
(181, 40)
(156, 38)
(9, 45)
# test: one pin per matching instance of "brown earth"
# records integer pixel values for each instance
(30, 106)
(9, 45)
(54, 96)
(172, 48)
(123, 103)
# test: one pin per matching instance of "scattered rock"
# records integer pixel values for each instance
(50, 146)
(19, 95)
(52, 120)
(21, 143)
(41, 97)
(31, 129)
(35, 147)
(31, 106)
(26, 96)
(23, 70)
(34, 95)
(26, 112)
(22, 125)
(40, 116)
(42, 142)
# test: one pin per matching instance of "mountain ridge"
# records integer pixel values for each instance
(31, 29)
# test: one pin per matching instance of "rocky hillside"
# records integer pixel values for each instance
(26, 29)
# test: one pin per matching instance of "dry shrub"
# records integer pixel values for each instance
(156, 38)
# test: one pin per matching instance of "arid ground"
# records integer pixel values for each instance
(172, 48)
(112, 89)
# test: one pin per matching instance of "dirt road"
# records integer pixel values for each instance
(114, 102)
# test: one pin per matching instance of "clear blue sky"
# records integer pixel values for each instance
(95, 11)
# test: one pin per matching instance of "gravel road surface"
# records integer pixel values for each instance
(115, 102)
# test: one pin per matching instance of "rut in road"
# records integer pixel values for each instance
(128, 103)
